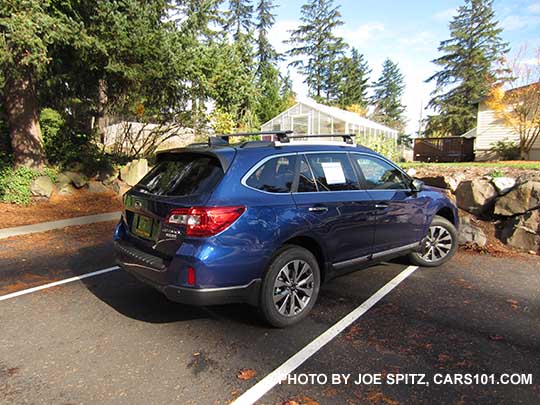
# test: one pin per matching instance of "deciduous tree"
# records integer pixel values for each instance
(518, 106)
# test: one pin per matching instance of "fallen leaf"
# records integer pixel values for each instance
(443, 357)
(305, 400)
(329, 392)
(376, 397)
(496, 337)
(246, 374)
(513, 303)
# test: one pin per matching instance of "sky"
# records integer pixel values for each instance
(409, 33)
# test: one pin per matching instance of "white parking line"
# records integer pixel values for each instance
(56, 283)
(272, 379)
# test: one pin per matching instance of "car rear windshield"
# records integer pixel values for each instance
(182, 175)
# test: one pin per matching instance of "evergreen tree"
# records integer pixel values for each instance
(233, 85)
(200, 47)
(316, 41)
(354, 82)
(466, 67)
(387, 93)
(239, 21)
(28, 32)
(265, 53)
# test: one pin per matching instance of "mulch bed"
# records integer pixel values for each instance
(78, 204)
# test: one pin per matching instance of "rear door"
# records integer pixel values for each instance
(179, 180)
(400, 211)
(328, 196)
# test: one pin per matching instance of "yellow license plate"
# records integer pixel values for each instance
(143, 226)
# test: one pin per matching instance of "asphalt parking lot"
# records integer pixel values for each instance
(111, 339)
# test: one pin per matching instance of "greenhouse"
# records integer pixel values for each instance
(310, 117)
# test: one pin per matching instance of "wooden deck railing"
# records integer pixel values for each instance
(446, 149)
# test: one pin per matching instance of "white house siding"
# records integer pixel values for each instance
(491, 129)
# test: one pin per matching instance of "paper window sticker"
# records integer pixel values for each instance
(333, 172)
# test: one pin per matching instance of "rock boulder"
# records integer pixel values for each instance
(523, 232)
(134, 171)
(468, 233)
(503, 184)
(475, 196)
(523, 198)
(97, 187)
(42, 186)
(77, 179)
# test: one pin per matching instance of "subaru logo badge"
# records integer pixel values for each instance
(138, 204)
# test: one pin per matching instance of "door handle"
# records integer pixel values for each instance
(381, 206)
(317, 209)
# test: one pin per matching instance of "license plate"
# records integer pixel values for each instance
(143, 226)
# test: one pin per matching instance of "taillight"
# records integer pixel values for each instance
(205, 221)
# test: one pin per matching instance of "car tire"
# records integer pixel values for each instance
(439, 246)
(286, 299)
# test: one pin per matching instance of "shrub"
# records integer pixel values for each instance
(506, 149)
(497, 173)
(15, 183)
(380, 144)
(64, 145)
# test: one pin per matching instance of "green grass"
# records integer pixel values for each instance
(528, 165)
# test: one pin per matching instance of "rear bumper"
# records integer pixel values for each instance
(153, 271)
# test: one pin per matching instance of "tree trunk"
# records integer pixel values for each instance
(22, 119)
(102, 118)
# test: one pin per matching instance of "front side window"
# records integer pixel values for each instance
(274, 176)
(306, 182)
(333, 172)
(380, 175)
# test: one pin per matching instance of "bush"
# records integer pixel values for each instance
(506, 149)
(63, 144)
(380, 144)
(15, 183)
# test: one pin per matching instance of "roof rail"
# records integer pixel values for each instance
(223, 140)
(347, 138)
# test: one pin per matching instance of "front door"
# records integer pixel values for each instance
(329, 198)
(400, 211)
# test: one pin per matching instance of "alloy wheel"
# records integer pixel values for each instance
(293, 288)
(438, 244)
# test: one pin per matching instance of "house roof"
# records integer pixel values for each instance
(338, 113)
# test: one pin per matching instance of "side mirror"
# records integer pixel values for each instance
(417, 185)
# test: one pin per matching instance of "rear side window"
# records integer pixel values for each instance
(183, 175)
(333, 172)
(274, 176)
(380, 175)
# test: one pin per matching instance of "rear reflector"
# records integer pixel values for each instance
(191, 276)
(205, 221)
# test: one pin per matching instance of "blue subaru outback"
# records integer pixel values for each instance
(265, 223)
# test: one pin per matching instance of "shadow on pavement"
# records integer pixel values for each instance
(134, 299)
